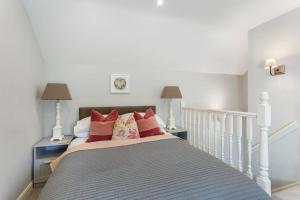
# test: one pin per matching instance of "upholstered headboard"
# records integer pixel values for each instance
(85, 112)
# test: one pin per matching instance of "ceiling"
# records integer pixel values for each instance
(190, 35)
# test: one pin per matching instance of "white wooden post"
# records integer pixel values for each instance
(186, 116)
(239, 138)
(195, 129)
(264, 122)
(249, 146)
(209, 131)
(204, 125)
(223, 117)
(190, 128)
(230, 130)
(186, 120)
(215, 117)
(199, 130)
(183, 114)
(182, 117)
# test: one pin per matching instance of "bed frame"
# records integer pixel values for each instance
(228, 135)
(86, 111)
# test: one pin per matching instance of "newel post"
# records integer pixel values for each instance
(264, 122)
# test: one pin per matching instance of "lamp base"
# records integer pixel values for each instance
(57, 134)
(171, 119)
(171, 124)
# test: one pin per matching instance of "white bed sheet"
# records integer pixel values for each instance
(76, 142)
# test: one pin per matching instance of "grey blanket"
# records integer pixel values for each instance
(165, 169)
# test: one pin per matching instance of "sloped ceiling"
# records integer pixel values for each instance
(192, 35)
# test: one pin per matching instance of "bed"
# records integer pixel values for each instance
(160, 167)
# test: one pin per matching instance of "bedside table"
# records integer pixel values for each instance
(43, 153)
(179, 132)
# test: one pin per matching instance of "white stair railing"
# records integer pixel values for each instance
(209, 130)
(279, 134)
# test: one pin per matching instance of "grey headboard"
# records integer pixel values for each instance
(86, 111)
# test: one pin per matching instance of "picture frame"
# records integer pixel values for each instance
(120, 83)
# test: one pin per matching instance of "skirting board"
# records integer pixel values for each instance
(29, 188)
(285, 187)
(26, 192)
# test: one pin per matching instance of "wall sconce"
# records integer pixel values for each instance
(271, 64)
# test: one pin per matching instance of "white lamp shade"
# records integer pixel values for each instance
(271, 62)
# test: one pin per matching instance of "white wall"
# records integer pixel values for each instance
(20, 71)
(278, 38)
(245, 91)
(90, 86)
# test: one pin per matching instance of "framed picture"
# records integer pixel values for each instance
(120, 83)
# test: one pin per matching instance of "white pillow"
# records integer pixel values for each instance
(82, 127)
(160, 122)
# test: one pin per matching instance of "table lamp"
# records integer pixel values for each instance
(170, 93)
(58, 92)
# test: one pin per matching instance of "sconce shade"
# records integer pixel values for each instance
(271, 62)
(56, 91)
(171, 92)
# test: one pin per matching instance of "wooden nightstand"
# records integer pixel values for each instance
(43, 153)
(179, 132)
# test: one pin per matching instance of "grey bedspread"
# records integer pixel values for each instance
(165, 169)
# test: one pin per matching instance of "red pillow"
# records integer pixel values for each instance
(147, 124)
(102, 127)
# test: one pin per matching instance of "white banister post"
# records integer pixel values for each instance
(204, 132)
(209, 131)
(190, 127)
(215, 121)
(264, 122)
(199, 130)
(223, 117)
(182, 114)
(230, 130)
(239, 141)
(185, 119)
(249, 146)
(195, 129)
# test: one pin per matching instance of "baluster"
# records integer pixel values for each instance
(182, 117)
(190, 128)
(249, 142)
(215, 117)
(187, 124)
(239, 138)
(199, 131)
(195, 129)
(223, 117)
(204, 125)
(209, 132)
(185, 119)
(230, 130)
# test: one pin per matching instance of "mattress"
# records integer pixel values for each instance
(165, 169)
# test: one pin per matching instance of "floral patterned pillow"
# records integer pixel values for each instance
(125, 128)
